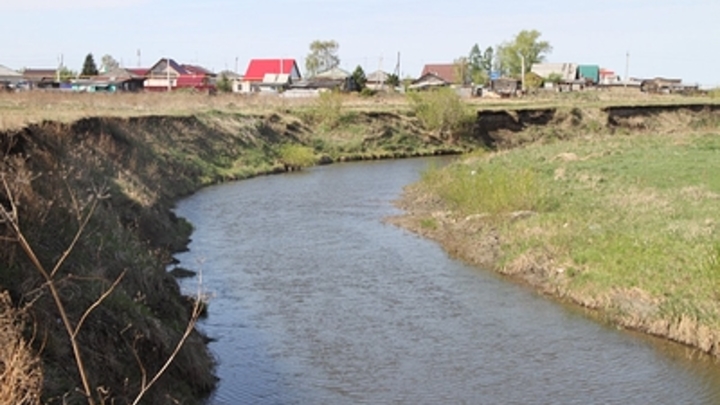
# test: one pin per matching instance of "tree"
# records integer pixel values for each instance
(323, 56)
(487, 60)
(527, 45)
(480, 63)
(66, 74)
(393, 80)
(359, 78)
(89, 67)
(108, 64)
(224, 84)
(462, 71)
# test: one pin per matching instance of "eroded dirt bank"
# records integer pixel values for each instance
(134, 169)
(476, 241)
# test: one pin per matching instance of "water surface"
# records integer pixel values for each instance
(316, 301)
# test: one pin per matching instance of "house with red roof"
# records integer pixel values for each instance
(445, 71)
(168, 75)
(268, 73)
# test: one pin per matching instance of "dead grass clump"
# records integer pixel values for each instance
(21, 376)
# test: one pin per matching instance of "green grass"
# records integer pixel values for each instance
(617, 212)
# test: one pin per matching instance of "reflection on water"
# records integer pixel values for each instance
(316, 301)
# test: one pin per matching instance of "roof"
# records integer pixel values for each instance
(377, 76)
(333, 74)
(258, 68)
(138, 71)
(568, 71)
(446, 71)
(39, 74)
(230, 74)
(429, 79)
(198, 70)
(120, 74)
(7, 72)
(159, 67)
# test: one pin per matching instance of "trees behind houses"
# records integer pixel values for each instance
(323, 56)
(480, 64)
(89, 67)
(527, 45)
(108, 63)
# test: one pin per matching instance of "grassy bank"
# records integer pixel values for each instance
(620, 219)
(123, 174)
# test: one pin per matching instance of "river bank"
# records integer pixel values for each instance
(122, 175)
(609, 209)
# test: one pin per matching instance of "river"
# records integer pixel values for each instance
(314, 300)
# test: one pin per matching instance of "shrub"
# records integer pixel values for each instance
(297, 156)
(443, 111)
(327, 109)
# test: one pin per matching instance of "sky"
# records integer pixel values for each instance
(648, 38)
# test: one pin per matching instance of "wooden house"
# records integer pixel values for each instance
(168, 75)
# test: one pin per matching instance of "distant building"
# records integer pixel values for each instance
(167, 75)
(41, 78)
(567, 72)
(9, 78)
(446, 71)
(377, 80)
(268, 74)
(429, 80)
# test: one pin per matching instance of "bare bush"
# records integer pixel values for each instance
(20, 371)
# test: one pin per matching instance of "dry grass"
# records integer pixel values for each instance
(20, 109)
(20, 373)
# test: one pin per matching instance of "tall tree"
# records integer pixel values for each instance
(526, 44)
(89, 67)
(323, 56)
(480, 64)
(359, 78)
(462, 71)
(108, 63)
(488, 59)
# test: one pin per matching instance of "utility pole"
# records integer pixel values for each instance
(60, 66)
(236, 65)
(522, 72)
(139, 64)
(627, 68)
(167, 72)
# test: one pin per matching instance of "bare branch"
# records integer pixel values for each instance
(79, 232)
(97, 303)
(53, 290)
(194, 316)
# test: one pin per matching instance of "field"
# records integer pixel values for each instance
(20, 109)
(622, 221)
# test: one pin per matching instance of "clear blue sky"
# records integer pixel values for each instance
(670, 38)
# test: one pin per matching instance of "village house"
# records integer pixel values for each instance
(168, 75)
(428, 80)
(9, 79)
(445, 71)
(42, 78)
(268, 74)
(377, 80)
(116, 80)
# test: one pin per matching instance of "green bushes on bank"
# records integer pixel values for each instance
(442, 110)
